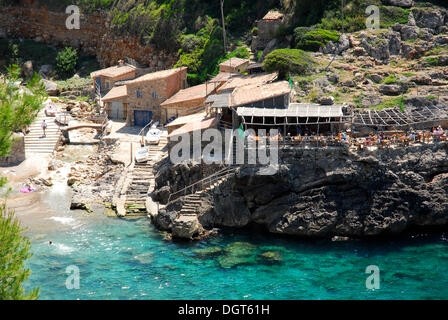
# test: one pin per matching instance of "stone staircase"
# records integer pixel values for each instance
(35, 142)
(141, 185)
(191, 205)
(192, 202)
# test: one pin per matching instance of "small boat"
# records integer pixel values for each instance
(142, 155)
(153, 136)
(50, 108)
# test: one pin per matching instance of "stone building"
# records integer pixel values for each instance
(116, 103)
(145, 94)
(187, 101)
(267, 27)
(104, 80)
(234, 65)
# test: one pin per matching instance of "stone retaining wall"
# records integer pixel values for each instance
(17, 153)
(93, 38)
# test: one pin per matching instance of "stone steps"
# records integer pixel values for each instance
(141, 183)
(35, 142)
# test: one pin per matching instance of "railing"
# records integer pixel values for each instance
(202, 184)
(142, 132)
(104, 126)
(224, 125)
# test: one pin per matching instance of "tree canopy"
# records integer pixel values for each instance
(19, 106)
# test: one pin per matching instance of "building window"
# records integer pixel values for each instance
(154, 95)
(107, 84)
(139, 93)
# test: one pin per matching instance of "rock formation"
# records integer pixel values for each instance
(333, 192)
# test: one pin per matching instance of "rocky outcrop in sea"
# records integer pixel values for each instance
(326, 192)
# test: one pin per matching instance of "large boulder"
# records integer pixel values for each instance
(377, 48)
(409, 32)
(28, 70)
(186, 227)
(390, 90)
(337, 48)
(441, 40)
(162, 195)
(426, 18)
(326, 101)
(399, 3)
(46, 70)
(394, 43)
(50, 87)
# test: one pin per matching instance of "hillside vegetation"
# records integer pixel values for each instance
(371, 65)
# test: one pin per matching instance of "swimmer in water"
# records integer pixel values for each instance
(50, 243)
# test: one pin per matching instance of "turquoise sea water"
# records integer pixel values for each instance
(120, 259)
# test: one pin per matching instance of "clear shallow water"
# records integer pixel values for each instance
(121, 259)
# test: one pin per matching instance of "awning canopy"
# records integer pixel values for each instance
(294, 110)
(295, 114)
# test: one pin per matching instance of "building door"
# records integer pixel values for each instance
(117, 111)
(97, 85)
(142, 118)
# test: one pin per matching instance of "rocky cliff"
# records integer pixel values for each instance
(330, 192)
(93, 38)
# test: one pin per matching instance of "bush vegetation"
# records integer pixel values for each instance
(66, 62)
(288, 62)
(311, 39)
(391, 79)
(391, 103)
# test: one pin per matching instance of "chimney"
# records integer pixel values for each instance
(121, 62)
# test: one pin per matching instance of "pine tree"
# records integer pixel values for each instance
(19, 105)
(14, 250)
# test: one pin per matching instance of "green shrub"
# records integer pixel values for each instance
(288, 61)
(390, 79)
(313, 39)
(392, 103)
(391, 15)
(66, 62)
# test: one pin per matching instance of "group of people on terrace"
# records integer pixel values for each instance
(352, 138)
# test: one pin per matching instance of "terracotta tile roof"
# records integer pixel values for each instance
(273, 15)
(222, 77)
(115, 93)
(195, 125)
(114, 71)
(189, 94)
(249, 94)
(234, 62)
(187, 119)
(242, 81)
(157, 75)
